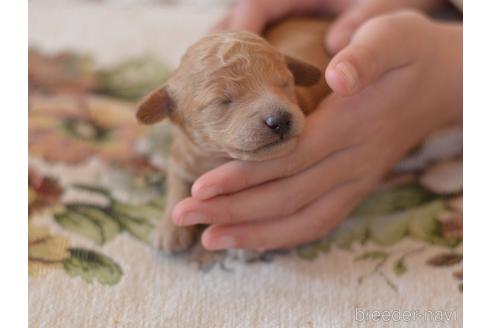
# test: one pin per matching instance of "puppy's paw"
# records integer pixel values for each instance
(172, 239)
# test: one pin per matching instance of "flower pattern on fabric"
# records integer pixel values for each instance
(50, 252)
(72, 129)
(65, 72)
(45, 250)
(101, 224)
(133, 79)
(44, 192)
(136, 182)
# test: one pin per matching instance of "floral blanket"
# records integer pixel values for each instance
(96, 191)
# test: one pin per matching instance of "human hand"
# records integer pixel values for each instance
(254, 15)
(351, 19)
(405, 81)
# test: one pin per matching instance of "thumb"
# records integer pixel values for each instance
(378, 46)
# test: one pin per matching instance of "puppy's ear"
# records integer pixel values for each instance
(155, 107)
(304, 74)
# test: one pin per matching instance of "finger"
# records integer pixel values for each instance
(309, 224)
(380, 45)
(344, 27)
(253, 15)
(319, 140)
(274, 199)
(247, 16)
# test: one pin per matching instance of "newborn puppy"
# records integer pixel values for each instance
(235, 95)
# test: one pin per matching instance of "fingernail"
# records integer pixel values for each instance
(193, 218)
(208, 192)
(349, 74)
(224, 242)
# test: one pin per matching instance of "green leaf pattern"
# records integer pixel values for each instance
(90, 266)
(384, 219)
(102, 224)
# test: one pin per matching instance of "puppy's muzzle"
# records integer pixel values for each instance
(279, 123)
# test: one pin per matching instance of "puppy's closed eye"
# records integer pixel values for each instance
(218, 103)
(225, 101)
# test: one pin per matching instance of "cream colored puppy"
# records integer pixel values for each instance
(235, 95)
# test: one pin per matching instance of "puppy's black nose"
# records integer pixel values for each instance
(279, 123)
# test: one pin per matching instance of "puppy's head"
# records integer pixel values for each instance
(233, 94)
